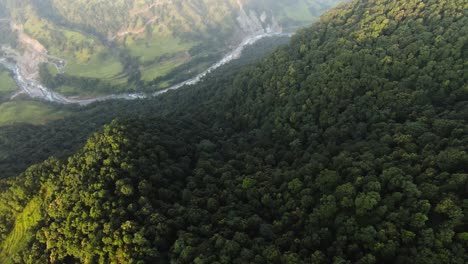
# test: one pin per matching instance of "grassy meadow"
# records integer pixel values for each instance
(30, 112)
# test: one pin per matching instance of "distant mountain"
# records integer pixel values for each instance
(349, 145)
(113, 46)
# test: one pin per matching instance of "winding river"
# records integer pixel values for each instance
(35, 89)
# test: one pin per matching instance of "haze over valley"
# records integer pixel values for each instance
(91, 49)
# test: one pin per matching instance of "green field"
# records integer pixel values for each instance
(159, 69)
(156, 48)
(299, 12)
(31, 112)
(85, 55)
(102, 66)
(148, 50)
(7, 84)
(22, 231)
(68, 90)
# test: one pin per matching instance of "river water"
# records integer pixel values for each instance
(35, 89)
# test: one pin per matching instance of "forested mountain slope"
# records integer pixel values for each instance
(348, 146)
(138, 45)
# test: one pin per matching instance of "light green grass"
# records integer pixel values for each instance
(7, 84)
(194, 70)
(31, 112)
(76, 37)
(164, 84)
(22, 231)
(157, 70)
(299, 11)
(86, 56)
(100, 66)
(52, 69)
(148, 50)
(68, 90)
(72, 91)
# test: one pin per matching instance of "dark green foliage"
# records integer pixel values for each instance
(348, 146)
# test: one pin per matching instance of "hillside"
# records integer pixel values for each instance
(23, 142)
(349, 145)
(90, 48)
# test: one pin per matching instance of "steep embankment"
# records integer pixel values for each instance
(348, 146)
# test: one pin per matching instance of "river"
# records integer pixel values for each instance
(35, 89)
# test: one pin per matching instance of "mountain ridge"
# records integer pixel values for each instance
(348, 145)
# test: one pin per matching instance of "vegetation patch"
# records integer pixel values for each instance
(31, 112)
(7, 84)
(148, 50)
(22, 231)
(103, 66)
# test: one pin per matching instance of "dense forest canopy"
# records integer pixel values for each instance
(349, 145)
